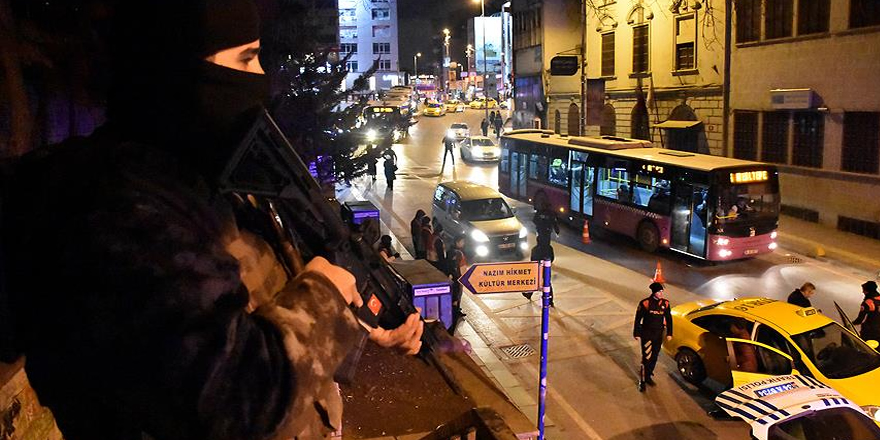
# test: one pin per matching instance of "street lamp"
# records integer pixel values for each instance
(416, 64)
(445, 59)
(485, 69)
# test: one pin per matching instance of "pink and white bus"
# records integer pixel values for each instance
(710, 207)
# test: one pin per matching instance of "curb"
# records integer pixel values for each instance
(815, 249)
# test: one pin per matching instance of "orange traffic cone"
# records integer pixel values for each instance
(585, 237)
(658, 274)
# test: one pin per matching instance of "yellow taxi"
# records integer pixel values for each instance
(736, 342)
(434, 109)
(483, 103)
(454, 106)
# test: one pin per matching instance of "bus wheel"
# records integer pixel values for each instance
(648, 236)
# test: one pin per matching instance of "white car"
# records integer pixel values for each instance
(795, 407)
(458, 131)
(480, 149)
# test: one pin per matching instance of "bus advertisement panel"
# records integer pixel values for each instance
(710, 207)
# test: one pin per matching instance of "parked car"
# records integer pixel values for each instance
(743, 340)
(482, 214)
(434, 109)
(454, 106)
(483, 103)
(458, 131)
(480, 149)
(798, 408)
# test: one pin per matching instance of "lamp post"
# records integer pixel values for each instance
(445, 60)
(416, 67)
(485, 69)
(467, 52)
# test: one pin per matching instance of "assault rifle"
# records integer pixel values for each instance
(266, 166)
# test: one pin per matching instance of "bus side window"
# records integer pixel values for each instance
(538, 167)
(505, 160)
(559, 171)
(614, 183)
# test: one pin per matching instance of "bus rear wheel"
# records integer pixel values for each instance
(648, 236)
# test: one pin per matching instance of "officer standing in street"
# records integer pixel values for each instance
(448, 144)
(869, 313)
(153, 309)
(653, 319)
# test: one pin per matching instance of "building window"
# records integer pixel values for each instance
(347, 48)
(381, 47)
(608, 54)
(778, 17)
(351, 66)
(748, 20)
(745, 135)
(774, 137)
(809, 139)
(864, 13)
(685, 42)
(813, 16)
(385, 65)
(347, 16)
(381, 31)
(381, 14)
(861, 142)
(609, 121)
(639, 117)
(348, 32)
(640, 49)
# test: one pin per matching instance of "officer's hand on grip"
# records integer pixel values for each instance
(406, 338)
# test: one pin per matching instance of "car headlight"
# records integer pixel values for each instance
(479, 236)
(496, 151)
(523, 232)
(524, 245)
(873, 411)
(482, 251)
(371, 135)
(450, 133)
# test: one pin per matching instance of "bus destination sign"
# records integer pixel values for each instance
(652, 169)
(382, 109)
(749, 177)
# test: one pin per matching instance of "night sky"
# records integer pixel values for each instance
(421, 24)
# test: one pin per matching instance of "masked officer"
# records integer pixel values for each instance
(869, 313)
(653, 319)
(147, 310)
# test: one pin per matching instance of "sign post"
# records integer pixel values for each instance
(545, 334)
(511, 278)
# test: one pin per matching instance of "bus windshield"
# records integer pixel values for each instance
(746, 201)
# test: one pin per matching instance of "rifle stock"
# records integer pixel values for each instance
(265, 165)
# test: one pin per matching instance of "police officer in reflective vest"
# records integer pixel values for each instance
(653, 318)
(869, 313)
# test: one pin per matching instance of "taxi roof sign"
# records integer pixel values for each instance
(502, 277)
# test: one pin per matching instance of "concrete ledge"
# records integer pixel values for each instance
(815, 249)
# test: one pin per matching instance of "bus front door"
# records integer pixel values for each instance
(580, 196)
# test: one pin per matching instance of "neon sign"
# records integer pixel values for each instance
(749, 176)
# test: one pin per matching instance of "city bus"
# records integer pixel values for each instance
(710, 207)
(387, 119)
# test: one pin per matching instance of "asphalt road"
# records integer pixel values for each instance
(591, 386)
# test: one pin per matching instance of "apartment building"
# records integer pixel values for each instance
(368, 30)
(803, 94)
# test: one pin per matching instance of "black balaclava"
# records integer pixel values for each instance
(165, 93)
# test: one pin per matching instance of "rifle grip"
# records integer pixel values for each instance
(346, 371)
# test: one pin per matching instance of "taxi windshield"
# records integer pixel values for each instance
(836, 352)
(485, 209)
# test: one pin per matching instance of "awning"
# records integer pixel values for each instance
(670, 124)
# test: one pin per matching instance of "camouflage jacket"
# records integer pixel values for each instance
(143, 308)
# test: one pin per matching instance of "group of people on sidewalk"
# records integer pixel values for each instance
(428, 244)
(495, 121)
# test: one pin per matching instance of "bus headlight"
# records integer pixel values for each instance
(523, 232)
(721, 241)
(480, 237)
(482, 251)
(371, 135)
(774, 234)
(772, 246)
(724, 253)
(873, 411)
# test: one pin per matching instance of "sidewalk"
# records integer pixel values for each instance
(815, 240)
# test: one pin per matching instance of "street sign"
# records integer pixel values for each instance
(564, 65)
(502, 277)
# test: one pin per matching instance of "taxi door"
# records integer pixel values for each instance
(751, 361)
(847, 323)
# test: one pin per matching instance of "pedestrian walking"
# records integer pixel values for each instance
(492, 117)
(426, 237)
(415, 229)
(801, 296)
(390, 171)
(448, 145)
(484, 126)
(499, 125)
(545, 220)
(437, 249)
(869, 313)
(653, 319)
(372, 163)
(456, 265)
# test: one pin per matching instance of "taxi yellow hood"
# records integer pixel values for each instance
(502, 226)
(862, 389)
